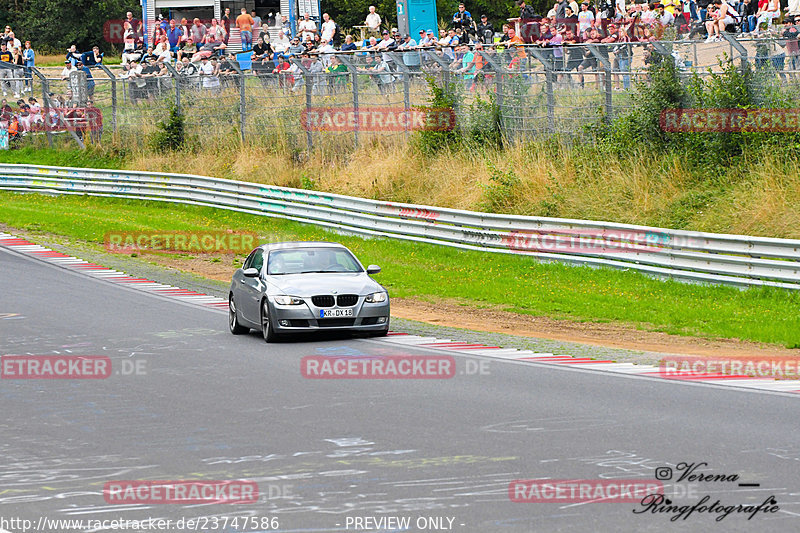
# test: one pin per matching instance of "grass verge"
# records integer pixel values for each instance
(512, 283)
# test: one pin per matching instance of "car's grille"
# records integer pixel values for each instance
(323, 301)
(336, 322)
(347, 300)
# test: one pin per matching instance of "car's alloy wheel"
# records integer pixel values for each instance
(233, 319)
(266, 324)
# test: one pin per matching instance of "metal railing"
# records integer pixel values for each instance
(737, 260)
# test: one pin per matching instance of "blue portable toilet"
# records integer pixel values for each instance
(416, 15)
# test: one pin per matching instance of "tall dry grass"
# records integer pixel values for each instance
(557, 181)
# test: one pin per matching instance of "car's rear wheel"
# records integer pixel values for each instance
(266, 324)
(233, 318)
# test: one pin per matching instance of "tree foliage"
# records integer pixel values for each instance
(54, 25)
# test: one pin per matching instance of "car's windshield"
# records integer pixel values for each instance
(311, 260)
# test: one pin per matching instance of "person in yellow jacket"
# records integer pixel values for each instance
(672, 6)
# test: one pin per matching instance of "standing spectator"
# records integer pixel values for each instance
(586, 18)
(307, 28)
(218, 31)
(485, 31)
(791, 31)
(256, 25)
(526, 12)
(6, 57)
(186, 29)
(174, 34)
(19, 73)
(462, 18)
(198, 31)
(226, 23)
(30, 61)
(373, 22)
(286, 26)
(245, 24)
(328, 28)
(135, 25)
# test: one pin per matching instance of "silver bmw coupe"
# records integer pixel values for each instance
(295, 287)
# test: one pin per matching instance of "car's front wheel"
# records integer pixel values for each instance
(266, 324)
(233, 318)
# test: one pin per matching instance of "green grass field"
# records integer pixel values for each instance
(431, 272)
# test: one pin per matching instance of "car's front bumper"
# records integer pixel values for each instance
(306, 317)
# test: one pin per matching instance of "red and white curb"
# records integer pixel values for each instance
(100, 272)
(514, 354)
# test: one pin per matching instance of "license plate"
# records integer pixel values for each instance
(335, 313)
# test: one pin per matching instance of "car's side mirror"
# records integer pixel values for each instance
(250, 272)
(373, 269)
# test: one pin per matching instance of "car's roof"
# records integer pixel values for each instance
(299, 244)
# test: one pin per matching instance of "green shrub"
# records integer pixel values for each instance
(171, 134)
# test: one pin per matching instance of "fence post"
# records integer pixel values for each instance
(242, 98)
(354, 74)
(309, 83)
(46, 100)
(603, 58)
(48, 104)
(113, 79)
(497, 65)
(175, 76)
(738, 46)
(401, 66)
(548, 87)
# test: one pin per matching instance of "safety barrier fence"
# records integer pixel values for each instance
(684, 255)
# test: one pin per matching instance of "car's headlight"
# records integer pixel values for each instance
(376, 298)
(288, 300)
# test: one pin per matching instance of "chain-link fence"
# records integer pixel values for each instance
(337, 101)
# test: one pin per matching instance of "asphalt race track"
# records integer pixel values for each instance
(188, 401)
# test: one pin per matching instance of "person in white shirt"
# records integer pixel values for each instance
(307, 28)
(585, 18)
(328, 28)
(373, 21)
(281, 43)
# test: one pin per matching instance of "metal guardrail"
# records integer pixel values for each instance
(685, 255)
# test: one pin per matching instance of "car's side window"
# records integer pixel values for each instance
(258, 259)
(249, 261)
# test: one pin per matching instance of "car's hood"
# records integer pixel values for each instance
(312, 284)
